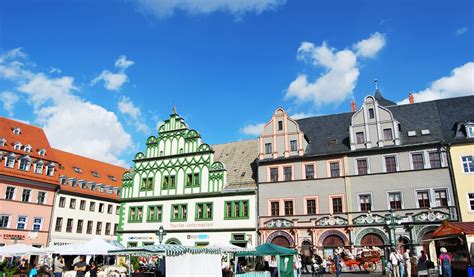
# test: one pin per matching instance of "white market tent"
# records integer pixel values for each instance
(230, 248)
(20, 249)
(96, 246)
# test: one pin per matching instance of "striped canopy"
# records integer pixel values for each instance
(166, 250)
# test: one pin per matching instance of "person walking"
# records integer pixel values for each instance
(407, 260)
(401, 264)
(445, 261)
(59, 266)
(395, 263)
(337, 263)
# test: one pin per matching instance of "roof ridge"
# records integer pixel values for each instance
(84, 157)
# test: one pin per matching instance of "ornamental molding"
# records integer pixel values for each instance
(278, 223)
(331, 221)
(367, 231)
(368, 218)
(283, 234)
(430, 216)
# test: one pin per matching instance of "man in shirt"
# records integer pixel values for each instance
(407, 258)
(395, 263)
(59, 266)
(80, 267)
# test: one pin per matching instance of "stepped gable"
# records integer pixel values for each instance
(239, 160)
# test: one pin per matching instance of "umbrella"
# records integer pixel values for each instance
(20, 249)
(96, 246)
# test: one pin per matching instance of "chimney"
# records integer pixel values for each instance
(353, 105)
(411, 98)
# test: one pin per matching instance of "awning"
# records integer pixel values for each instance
(166, 249)
(454, 228)
(269, 249)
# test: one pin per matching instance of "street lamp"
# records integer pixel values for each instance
(161, 233)
(392, 220)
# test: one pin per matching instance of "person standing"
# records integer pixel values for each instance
(407, 260)
(401, 264)
(445, 261)
(422, 265)
(80, 267)
(337, 263)
(59, 266)
(395, 263)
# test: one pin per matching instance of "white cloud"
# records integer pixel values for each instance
(11, 65)
(459, 83)
(340, 72)
(371, 46)
(9, 100)
(461, 31)
(302, 115)
(54, 70)
(166, 8)
(127, 107)
(71, 123)
(253, 129)
(114, 81)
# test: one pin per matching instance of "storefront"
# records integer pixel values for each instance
(458, 239)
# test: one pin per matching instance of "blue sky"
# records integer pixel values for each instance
(100, 75)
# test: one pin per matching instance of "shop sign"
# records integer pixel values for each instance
(141, 238)
(14, 236)
(191, 225)
(199, 236)
(61, 243)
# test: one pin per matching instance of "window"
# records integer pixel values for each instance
(274, 174)
(10, 161)
(268, 148)
(21, 223)
(37, 223)
(41, 197)
(17, 146)
(390, 164)
(337, 204)
(72, 203)
(435, 160)
(4, 220)
(92, 206)
(360, 137)
(371, 113)
(24, 164)
(147, 183)
(101, 207)
(2, 141)
(169, 182)
(155, 214)
(280, 125)
(135, 214)
(287, 173)
(69, 224)
(365, 202)
(62, 202)
(441, 198)
(27, 148)
(179, 212)
(334, 167)
(309, 171)
(117, 210)
(50, 170)
(470, 197)
(38, 168)
(470, 131)
(293, 145)
(417, 159)
(112, 178)
(89, 227)
(362, 166)
(82, 205)
(236, 209)
(95, 174)
(42, 152)
(110, 208)
(16, 130)
(387, 134)
(275, 208)
(468, 164)
(107, 229)
(192, 180)
(115, 229)
(98, 228)
(59, 224)
(395, 200)
(288, 207)
(80, 226)
(25, 197)
(310, 206)
(77, 169)
(203, 211)
(423, 199)
(10, 193)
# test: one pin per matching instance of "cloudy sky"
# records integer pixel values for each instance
(100, 76)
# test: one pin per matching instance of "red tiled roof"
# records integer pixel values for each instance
(69, 161)
(29, 135)
(454, 228)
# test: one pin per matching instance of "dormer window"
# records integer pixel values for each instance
(95, 174)
(470, 131)
(17, 131)
(3, 141)
(387, 134)
(112, 178)
(10, 161)
(117, 191)
(77, 169)
(42, 152)
(371, 113)
(50, 169)
(38, 167)
(73, 183)
(17, 146)
(27, 148)
(83, 185)
(101, 188)
(24, 164)
(63, 180)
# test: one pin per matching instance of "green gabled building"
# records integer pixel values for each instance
(200, 194)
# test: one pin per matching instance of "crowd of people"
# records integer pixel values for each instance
(401, 265)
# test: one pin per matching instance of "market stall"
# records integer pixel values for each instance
(458, 239)
(285, 259)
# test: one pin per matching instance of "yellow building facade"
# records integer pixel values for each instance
(462, 156)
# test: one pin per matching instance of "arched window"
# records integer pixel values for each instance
(27, 148)
(17, 146)
(17, 131)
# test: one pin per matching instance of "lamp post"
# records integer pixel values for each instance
(161, 233)
(393, 220)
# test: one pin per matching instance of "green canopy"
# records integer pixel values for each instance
(268, 249)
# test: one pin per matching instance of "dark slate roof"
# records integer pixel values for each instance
(382, 101)
(440, 117)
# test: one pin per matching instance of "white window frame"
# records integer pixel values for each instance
(423, 155)
(50, 170)
(10, 157)
(359, 194)
(29, 195)
(428, 161)
(27, 148)
(3, 141)
(42, 152)
(40, 224)
(9, 220)
(14, 193)
(397, 164)
(470, 131)
(469, 202)
(17, 146)
(28, 165)
(430, 195)
(448, 196)
(401, 198)
(25, 222)
(45, 197)
(356, 168)
(462, 163)
(16, 131)
(35, 169)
